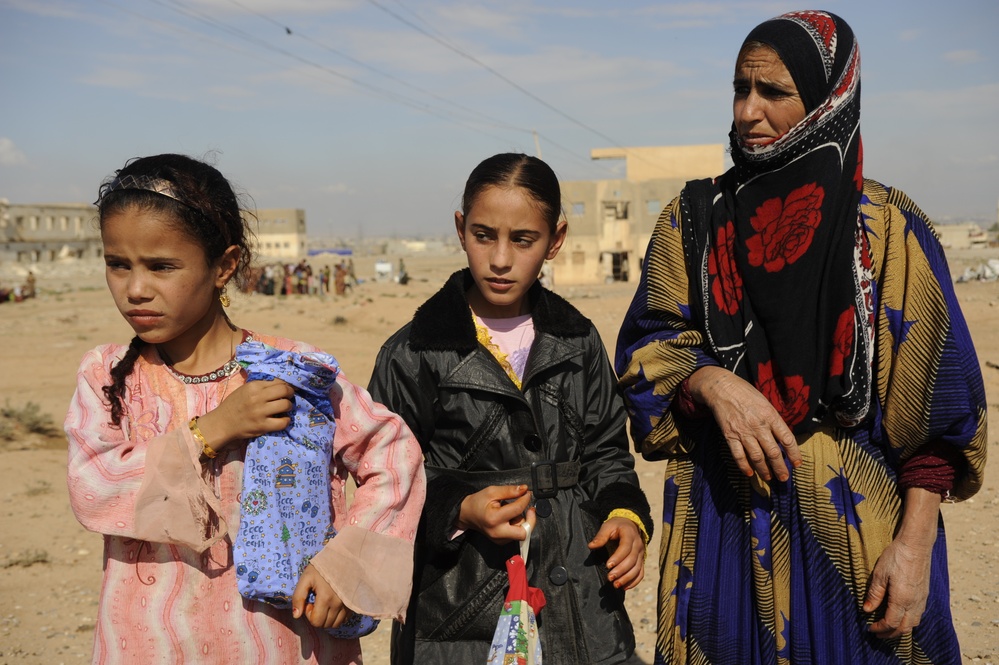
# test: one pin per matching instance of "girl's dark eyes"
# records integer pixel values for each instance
(156, 267)
(483, 236)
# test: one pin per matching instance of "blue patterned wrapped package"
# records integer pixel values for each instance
(285, 511)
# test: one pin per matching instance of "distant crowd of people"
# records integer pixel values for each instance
(20, 292)
(289, 278)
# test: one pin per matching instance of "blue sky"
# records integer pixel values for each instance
(370, 113)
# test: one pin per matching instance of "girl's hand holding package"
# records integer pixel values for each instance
(326, 610)
(497, 511)
(253, 409)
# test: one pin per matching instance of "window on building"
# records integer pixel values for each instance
(578, 258)
(615, 210)
(653, 207)
(63, 223)
(578, 209)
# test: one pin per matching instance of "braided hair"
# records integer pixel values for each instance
(203, 206)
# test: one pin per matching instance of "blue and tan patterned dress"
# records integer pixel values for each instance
(772, 572)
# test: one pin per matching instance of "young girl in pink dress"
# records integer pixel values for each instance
(157, 437)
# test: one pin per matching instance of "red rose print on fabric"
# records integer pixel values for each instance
(858, 176)
(726, 287)
(865, 250)
(789, 395)
(785, 228)
(842, 342)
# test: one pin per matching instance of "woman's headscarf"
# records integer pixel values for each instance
(784, 265)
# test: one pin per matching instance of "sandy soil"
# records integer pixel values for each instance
(50, 568)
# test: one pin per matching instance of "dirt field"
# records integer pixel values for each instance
(50, 568)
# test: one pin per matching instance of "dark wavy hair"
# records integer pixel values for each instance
(511, 169)
(202, 204)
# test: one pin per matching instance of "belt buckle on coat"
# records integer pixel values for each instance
(544, 479)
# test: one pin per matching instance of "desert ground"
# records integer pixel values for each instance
(50, 567)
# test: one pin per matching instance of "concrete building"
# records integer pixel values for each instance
(611, 221)
(40, 232)
(281, 233)
(33, 233)
(961, 236)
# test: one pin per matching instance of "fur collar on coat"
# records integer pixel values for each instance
(444, 322)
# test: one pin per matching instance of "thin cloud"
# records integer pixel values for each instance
(230, 92)
(108, 77)
(10, 155)
(975, 160)
(277, 6)
(572, 66)
(473, 17)
(63, 10)
(338, 188)
(972, 101)
(963, 57)
(677, 14)
(909, 35)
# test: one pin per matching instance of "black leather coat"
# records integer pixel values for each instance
(477, 429)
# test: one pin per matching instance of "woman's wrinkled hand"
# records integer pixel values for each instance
(900, 581)
(899, 585)
(756, 434)
(498, 511)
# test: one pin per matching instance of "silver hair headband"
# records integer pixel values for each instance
(144, 182)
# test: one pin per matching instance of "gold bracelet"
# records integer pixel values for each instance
(633, 517)
(206, 450)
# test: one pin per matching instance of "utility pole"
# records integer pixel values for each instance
(537, 144)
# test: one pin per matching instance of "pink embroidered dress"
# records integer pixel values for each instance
(169, 593)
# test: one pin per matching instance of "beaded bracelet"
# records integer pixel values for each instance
(206, 450)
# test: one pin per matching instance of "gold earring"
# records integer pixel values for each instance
(224, 297)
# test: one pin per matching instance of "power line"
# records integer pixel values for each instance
(515, 85)
(373, 90)
(298, 33)
(448, 45)
(497, 123)
(377, 91)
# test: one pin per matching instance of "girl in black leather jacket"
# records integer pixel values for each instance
(509, 390)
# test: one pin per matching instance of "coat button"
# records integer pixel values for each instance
(543, 507)
(558, 575)
(532, 442)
